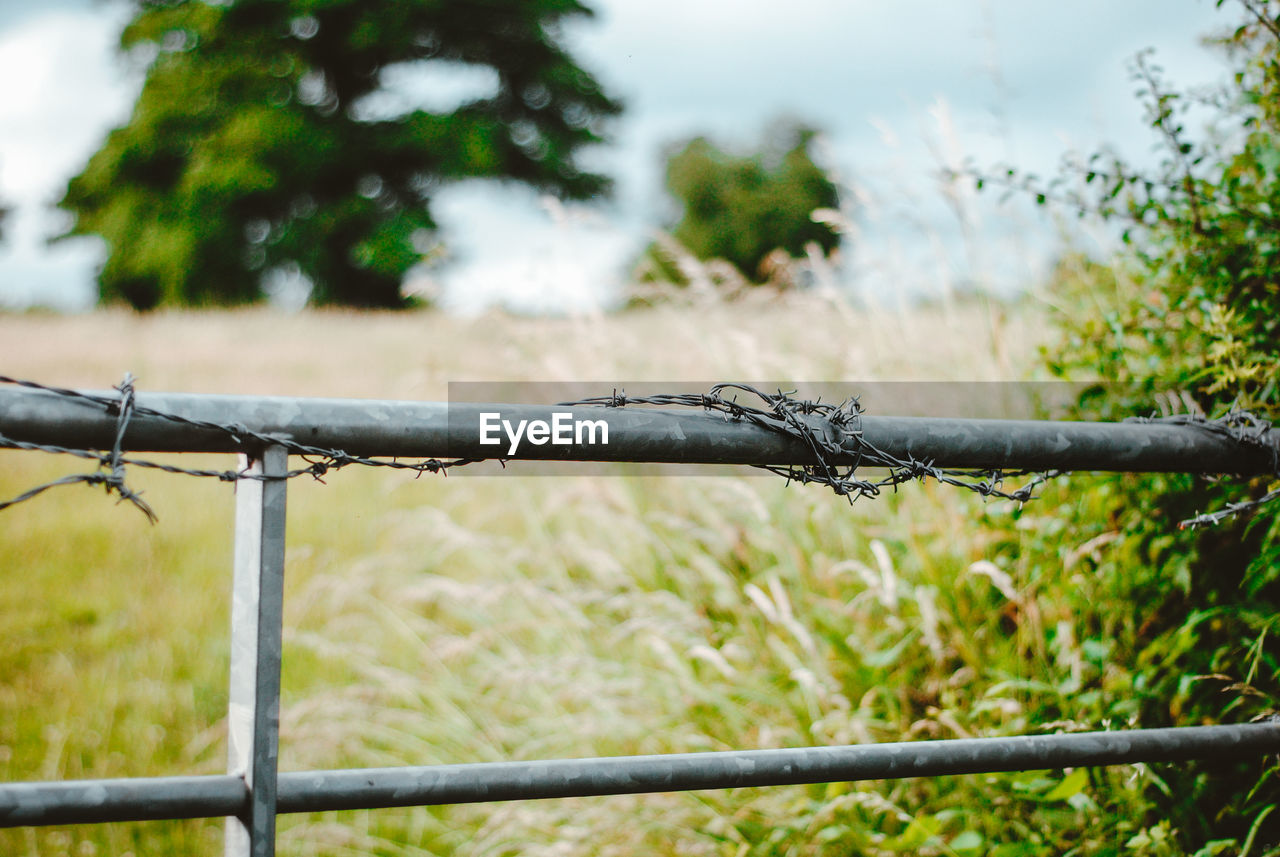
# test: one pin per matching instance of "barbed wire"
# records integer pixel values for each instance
(111, 473)
(830, 431)
(785, 414)
(835, 433)
(111, 465)
(1242, 427)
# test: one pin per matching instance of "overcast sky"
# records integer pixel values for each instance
(898, 88)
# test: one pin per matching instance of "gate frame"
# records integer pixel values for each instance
(253, 792)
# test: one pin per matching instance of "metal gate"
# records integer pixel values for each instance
(266, 431)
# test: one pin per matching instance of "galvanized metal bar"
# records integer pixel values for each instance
(257, 604)
(94, 801)
(313, 791)
(452, 430)
(86, 801)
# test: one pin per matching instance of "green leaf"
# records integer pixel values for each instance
(970, 840)
(889, 656)
(1071, 784)
(921, 829)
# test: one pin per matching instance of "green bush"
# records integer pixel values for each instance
(1185, 321)
(751, 210)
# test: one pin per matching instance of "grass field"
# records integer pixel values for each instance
(478, 619)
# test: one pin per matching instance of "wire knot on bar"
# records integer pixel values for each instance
(111, 473)
(831, 432)
(114, 481)
(111, 467)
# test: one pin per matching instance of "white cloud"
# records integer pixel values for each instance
(526, 253)
(436, 86)
(64, 90)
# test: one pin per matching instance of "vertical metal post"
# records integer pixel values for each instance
(257, 603)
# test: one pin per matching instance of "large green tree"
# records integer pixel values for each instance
(250, 148)
(742, 207)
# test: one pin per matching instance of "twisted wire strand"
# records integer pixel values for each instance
(111, 473)
(784, 414)
(830, 431)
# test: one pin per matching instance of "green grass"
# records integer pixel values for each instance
(480, 619)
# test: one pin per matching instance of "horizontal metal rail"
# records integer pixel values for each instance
(125, 799)
(452, 430)
(372, 788)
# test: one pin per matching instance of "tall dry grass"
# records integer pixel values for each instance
(478, 619)
(789, 336)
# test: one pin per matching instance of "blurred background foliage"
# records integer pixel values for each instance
(753, 210)
(250, 149)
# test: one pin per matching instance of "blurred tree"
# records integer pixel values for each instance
(251, 148)
(742, 208)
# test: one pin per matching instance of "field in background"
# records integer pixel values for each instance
(449, 620)
(415, 355)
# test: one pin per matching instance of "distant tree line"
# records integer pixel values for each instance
(250, 153)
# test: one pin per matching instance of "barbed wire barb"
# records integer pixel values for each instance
(111, 472)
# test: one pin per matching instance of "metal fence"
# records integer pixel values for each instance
(266, 431)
